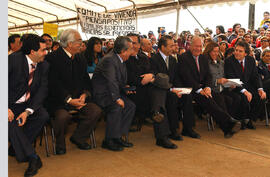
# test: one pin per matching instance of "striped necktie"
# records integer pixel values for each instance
(197, 63)
(167, 62)
(30, 80)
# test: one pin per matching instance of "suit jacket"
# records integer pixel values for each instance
(109, 79)
(67, 78)
(188, 72)
(137, 66)
(217, 72)
(249, 77)
(18, 73)
(263, 70)
(158, 65)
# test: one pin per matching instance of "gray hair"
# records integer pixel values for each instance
(265, 51)
(121, 43)
(67, 36)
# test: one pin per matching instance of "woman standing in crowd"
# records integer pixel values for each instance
(223, 46)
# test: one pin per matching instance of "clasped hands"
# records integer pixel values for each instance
(78, 103)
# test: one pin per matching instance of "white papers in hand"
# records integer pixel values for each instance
(184, 91)
(233, 82)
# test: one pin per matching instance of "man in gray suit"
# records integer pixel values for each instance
(110, 89)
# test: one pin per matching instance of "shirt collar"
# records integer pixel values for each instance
(163, 55)
(29, 61)
(146, 53)
(242, 61)
(69, 54)
(121, 60)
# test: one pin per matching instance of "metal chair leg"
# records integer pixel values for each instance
(266, 115)
(212, 123)
(46, 141)
(94, 138)
(53, 140)
(208, 123)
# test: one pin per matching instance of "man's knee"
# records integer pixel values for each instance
(62, 115)
(93, 110)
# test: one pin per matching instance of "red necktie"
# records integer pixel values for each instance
(197, 63)
(30, 80)
(242, 64)
(268, 67)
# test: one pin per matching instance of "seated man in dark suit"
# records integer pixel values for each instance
(27, 89)
(69, 90)
(139, 74)
(264, 70)
(242, 66)
(163, 62)
(194, 70)
(109, 90)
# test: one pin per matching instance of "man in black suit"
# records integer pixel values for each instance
(69, 91)
(139, 74)
(193, 69)
(264, 70)
(109, 89)
(242, 66)
(163, 62)
(27, 89)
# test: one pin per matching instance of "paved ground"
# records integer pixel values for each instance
(247, 154)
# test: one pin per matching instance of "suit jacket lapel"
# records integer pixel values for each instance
(238, 68)
(193, 64)
(163, 63)
(247, 69)
(122, 69)
(25, 68)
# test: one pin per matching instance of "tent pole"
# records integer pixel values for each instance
(177, 18)
(251, 16)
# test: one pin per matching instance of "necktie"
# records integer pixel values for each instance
(149, 55)
(30, 80)
(197, 63)
(268, 67)
(242, 64)
(167, 62)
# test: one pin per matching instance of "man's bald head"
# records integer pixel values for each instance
(196, 46)
(146, 45)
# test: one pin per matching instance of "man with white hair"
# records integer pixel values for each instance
(69, 91)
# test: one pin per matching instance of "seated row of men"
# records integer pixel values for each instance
(61, 84)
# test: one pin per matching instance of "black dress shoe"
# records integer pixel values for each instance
(122, 142)
(191, 133)
(158, 117)
(34, 166)
(166, 143)
(111, 145)
(82, 146)
(228, 134)
(234, 127)
(250, 125)
(60, 151)
(176, 137)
